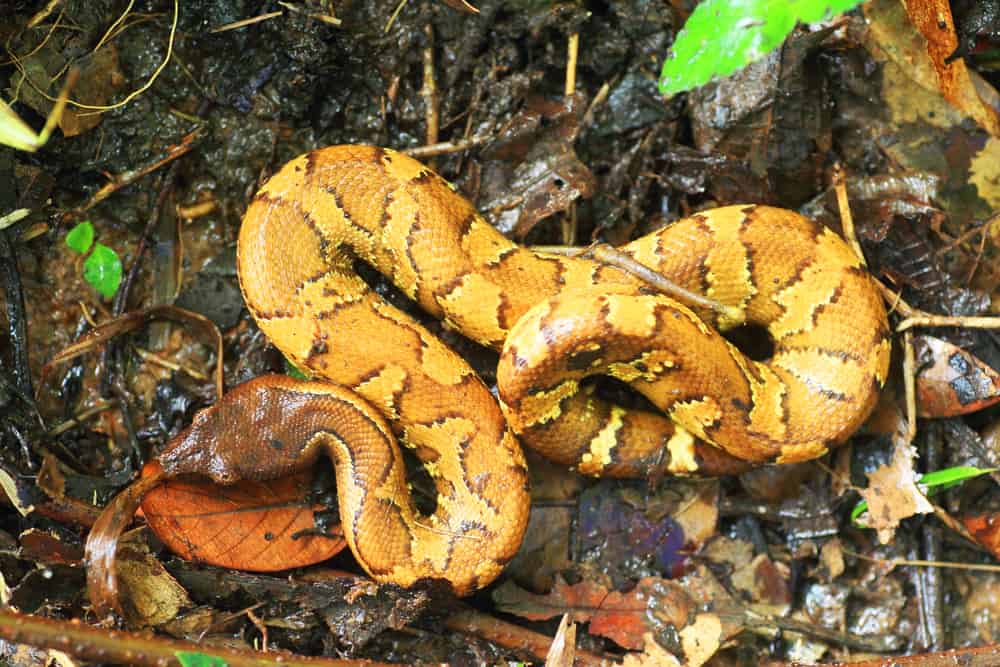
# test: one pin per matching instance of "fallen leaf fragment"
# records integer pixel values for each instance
(985, 527)
(951, 381)
(563, 648)
(623, 617)
(893, 494)
(653, 655)
(934, 21)
(150, 596)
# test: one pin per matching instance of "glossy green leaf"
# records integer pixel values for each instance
(103, 270)
(81, 237)
(294, 371)
(190, 659)
(722, 36)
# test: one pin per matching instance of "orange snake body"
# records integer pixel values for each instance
(555, 320)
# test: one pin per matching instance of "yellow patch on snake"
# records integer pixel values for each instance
(400, 166)
(384, 388)
(474, 294)
(575, 271)
(599, 457)
(803, 451)
(332, 290)
(729, 279)
(338, 228)
(880, 361)
(680, 446)
(767, 415)
(298, 333)
(697, 415)
(284, 180)
(632, 316)
(440, 363)
(482, 248)
(544, 406)
(644, 251)
(395, 235)
(647, 367)
(815, 287)
(455, 430)
(820, 373)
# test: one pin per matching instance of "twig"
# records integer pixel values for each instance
(910, 381)
(982, 656)
(573, 50)
(328, 19)
(89, 643)
(766, 622)
(17, 316)
(242, 23)
(395, 15)
(568, 222)
(514, 636)
(929, 320)
(897, 562)
(43, 13)
(82, 416)
(614, 257)
(846, 219)
(428, 90)
(445, 147)
(122, 180)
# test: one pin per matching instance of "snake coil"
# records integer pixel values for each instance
(556, 320)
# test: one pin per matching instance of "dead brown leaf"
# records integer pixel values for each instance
(622, 617)
(150, 596)
(260, 526)
(952, 381)
(100, 78)
(933, 19)
(893, 494)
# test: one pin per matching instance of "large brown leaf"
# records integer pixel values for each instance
(257, 526)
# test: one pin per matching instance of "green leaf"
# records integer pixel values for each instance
(722, 36)
(103, 270)
(81, 237)
(949, 477)
(190, 659)
(295, 372)
(939, 480)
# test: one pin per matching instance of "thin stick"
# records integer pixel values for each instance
(429, 89)
(974, 567)
(447, 147)
(99, 645)
(609, 255)
(926, 320)
(242, 23)
(909, 377)
(573, 49)
(846, 219)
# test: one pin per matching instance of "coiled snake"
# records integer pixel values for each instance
(556, 320)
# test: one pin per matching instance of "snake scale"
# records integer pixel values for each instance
(555, 321)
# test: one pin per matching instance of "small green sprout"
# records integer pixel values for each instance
(102, 269)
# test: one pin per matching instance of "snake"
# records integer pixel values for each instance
(380, 377)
